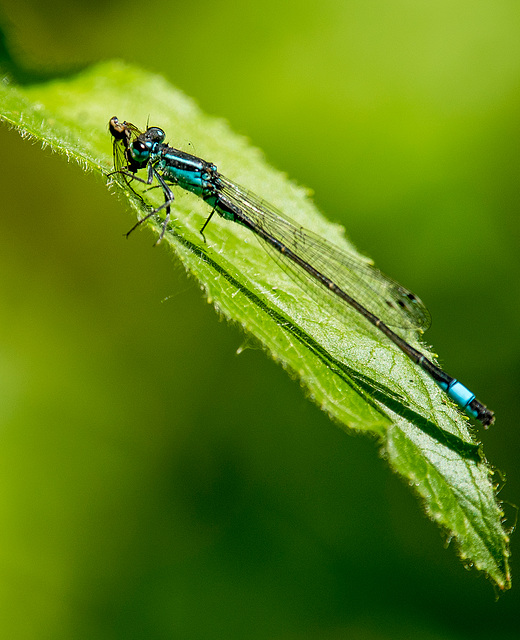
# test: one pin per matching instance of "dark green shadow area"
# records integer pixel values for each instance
(10, 66)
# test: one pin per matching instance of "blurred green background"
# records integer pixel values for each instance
(154, 484)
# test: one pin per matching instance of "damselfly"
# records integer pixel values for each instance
(316, 264)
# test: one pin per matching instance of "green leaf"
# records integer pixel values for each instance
(348, 368)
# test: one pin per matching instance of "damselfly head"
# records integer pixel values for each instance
(154, 134)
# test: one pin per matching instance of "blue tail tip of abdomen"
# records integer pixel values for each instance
(467, 401)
